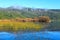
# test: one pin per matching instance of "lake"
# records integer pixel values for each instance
(44, 35)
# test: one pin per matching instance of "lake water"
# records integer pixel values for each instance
(53, 26)
(45, 35)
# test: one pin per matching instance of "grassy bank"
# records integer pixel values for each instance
(18, 26)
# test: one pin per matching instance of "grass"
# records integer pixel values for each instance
(18, 26)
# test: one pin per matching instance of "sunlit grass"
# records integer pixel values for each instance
(18, 26)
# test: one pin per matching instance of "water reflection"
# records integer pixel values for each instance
(39, 36)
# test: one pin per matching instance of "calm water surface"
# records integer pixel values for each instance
(45, 35)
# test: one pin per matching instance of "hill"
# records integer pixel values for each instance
(24, 12)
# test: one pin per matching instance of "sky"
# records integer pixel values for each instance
(47, 4)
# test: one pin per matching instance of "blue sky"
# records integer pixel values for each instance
(47, 4)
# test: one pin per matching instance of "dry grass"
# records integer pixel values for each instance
(17, 26)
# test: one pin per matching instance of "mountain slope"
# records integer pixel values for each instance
(24, 12)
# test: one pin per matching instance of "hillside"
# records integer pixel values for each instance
(24, 12)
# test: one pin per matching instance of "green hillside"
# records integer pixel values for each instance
(13, 13)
